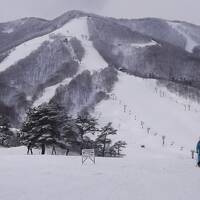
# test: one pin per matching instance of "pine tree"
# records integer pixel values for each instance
(69, 131)
(42, 126)
(5, 134)
(86, 124)
(103, 141)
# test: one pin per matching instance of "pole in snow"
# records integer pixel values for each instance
(148, 130)
(142, 124)
(125, 106)
(163, 140)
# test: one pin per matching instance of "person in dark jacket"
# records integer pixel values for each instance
(198, 152)
(53, 150)
(43, 148)
(29, 147)
(67, 151)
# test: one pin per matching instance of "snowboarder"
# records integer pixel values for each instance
(198, 152)
(53, 150)
(29, 147)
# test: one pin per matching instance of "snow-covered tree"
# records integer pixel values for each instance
(117, 147)
(42, 126)
(86, 125)
(6, 135)
(102, 141)
(69, 131)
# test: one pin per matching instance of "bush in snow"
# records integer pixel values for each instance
(117, 148)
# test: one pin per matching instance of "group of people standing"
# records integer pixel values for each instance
(30, 149)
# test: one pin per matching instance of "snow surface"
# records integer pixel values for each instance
(154, 172)
(78, 28)
(163, 115)
(183, 31)
(142, 45)
(128, 49)
(22, 51)
(49, 92)
(8, 30)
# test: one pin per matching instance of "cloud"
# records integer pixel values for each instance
(186, 10)
(13, 9)
(168, 9)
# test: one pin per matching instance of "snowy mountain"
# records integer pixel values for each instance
(141, 75)
(77, 60)
(181, 34)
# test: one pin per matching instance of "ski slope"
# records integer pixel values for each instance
(134, 100)
(77, 28)
(154, 172)
(142, 45)
(22, 51)
(92, 60)
(147, 174)
(190, 43)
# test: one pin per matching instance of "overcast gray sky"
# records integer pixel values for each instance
(187, 10)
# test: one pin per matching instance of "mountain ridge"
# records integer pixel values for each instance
(67, 16)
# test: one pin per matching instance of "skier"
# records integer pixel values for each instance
(53, 150)
(198, 152)
(67, 151)
(29, 147)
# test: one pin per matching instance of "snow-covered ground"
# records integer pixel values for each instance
(164, 116)
(154, 172)
(145, 174)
